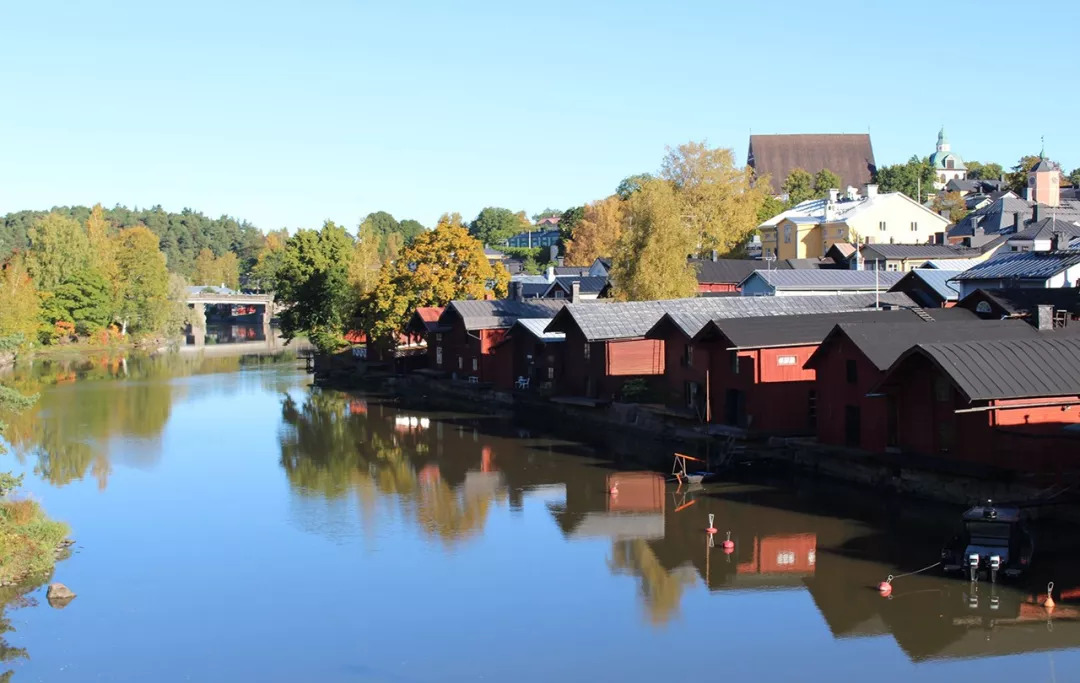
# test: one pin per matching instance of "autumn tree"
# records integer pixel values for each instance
(798, 186)
(364, 262)
(216, 270)
(915, 178)
(650, 260)
(598, 231)
(312, 284)
(824, 181)
(1074, 177)
(143, 305)
(440, 266)
(717, 199)
(263, 274)
(58, 248)
(951, 205)
(103, 254)
(19, 301)
(392, 246)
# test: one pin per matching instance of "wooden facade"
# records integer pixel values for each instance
(763, 390)
(599, 369)
(846, 415)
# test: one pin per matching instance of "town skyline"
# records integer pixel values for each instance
(288, 117)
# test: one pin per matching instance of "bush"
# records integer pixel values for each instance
(28, 539)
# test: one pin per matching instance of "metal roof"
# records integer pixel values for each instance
(536, 326)
(1045, 229)
(794, 330)
(960, 264)
(915, 251)
(500, 313)
(1024, 300)
(730, 271)
(1005, 369)
(826, 279)
(882, 343)
(937, 280)
(1022, 265)
(587, 284)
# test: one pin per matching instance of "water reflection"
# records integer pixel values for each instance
(87, 401)
(445, 473)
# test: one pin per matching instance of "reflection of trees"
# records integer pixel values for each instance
(86, 401)
(329, 451)
(661, 589)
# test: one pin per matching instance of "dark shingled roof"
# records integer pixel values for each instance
(850, 156)
(833, 280)
(587, 285)
(727, 271)
(793, 330)
(500, 313)
(1005, 369)
(882, 343)
(1022, 265)
(1022, 301)
(916, 251)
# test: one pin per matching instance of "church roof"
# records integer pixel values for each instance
(850, 156)
(1043, 165)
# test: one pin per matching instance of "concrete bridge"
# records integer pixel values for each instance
(216, 296)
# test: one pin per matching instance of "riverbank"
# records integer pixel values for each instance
(30, 542)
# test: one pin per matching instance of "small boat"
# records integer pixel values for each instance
(994, 540)
(682, 473)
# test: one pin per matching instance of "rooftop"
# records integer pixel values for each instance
(792, 330)
(850, 156)
(731, 271)
(935, 279)
(1022, 265)
(500, 313)
(536, 326)
(919, 251)
(837, 280)
(1022, 301)
(1045, 229)
(586, 284)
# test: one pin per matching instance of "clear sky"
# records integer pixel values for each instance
(288, 113)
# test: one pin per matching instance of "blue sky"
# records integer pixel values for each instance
(287, 113)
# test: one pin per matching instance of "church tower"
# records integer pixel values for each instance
(947, 165)
(1044, 182)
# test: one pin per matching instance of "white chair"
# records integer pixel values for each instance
(522, 382)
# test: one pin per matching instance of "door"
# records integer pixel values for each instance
(734, 408)
(852, 426)
(892, 422)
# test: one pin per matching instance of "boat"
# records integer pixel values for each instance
(994, 540)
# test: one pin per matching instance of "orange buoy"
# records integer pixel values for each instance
(614, 490)
(1050, 604)
(728, 544)
(885, 588)
(712, 528)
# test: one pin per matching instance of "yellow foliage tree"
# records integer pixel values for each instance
(364, 263)
(650, 260)
(19, 301)
(217, 270)
(598, 231)
(719, 201)
(103, 253)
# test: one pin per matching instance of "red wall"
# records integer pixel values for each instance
(717, 287)
(634, 357)
(775, 396)
(834, 394)
(676, 371)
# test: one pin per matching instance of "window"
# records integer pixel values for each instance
(688, 355)
(460, 363)
(438, 356)
(734, 362)
(438, 336)
(559, 294)
(852, 372)
(881, 226)
(785, 360)
(787, 233)
(890, 266)
(551, 373)
(474, 365)
(588, 349)
(950, 164)
(914, 226)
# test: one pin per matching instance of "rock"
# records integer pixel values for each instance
(58, 591)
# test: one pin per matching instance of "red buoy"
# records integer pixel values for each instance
(711, 529)
(728, 544)
(614, 490)
(885, 588)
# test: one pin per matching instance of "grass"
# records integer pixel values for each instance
(28, 539)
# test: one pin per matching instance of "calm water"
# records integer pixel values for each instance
(234, 523)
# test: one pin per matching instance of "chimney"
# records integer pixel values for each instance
(517, 288)
(1016, 221)
(975, 229)
(834, 195)
(1046, 317)
(1059, 241)
(714, 255)
(852, 193)
(871, 190)
(575, 292)
(550, 274)
(1035, 213)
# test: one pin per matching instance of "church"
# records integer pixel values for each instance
(947, 165)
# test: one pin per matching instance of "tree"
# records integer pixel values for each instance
(392, 246)
(569, 220)
(19, 301)
(440, 266)
(144, 305)
(1074, 177)
(546, 213)
(770, 208)
(915, 178)
(216, 270)
(494, 225)
(205, 270)
(824, 181)
(83, 299)
(313, 285)
(364, 263)
(411, 229)
(798, 186)
(263, 274)
(631, 184)
(650, 260)
(103, 253)
(598, 231)
(718, 200)
(951, 205)
(978, 171)
(58, 248)
(1017, 180)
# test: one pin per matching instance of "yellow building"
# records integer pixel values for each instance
(809, 229)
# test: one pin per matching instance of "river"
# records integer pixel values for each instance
(234, 523)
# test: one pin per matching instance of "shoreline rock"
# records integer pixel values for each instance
(59, 595)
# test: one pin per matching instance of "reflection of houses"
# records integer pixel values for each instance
(634, 510)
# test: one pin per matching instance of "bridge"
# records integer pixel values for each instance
(219, 296)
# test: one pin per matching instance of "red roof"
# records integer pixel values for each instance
(430, 316)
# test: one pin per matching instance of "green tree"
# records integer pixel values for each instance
(798, 186)
(411, 229)
(718, 200)
(364, 262)
(144, 305)
(546, 213)
(770, 208)
(1074, 177)
(650, 260)
(99, 235)
(824, 181)
(58, 247)
(1017, 179)
(82, 299)
(263, 274)
(915, 178)
(313, 285)
(494, 225)
(392, 246)
(440, 266)
(631, 184)
(978, 171)
(569, 220)
(19, 301)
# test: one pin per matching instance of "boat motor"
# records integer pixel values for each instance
(973, 562)
(995, 565)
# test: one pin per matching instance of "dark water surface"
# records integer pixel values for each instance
(234, 524)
